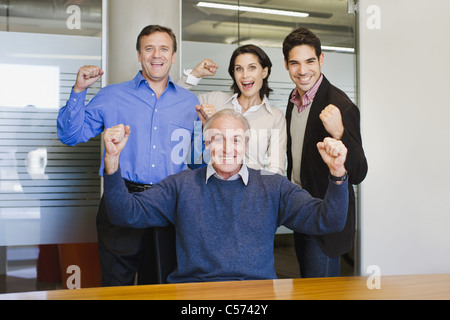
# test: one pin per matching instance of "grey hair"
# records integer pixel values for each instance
(227, 112)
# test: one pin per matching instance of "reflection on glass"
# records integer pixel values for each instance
(36, 162)
(74, 17)
(9, 178)
(41, 84)
(266, 23)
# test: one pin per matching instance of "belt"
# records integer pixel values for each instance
(136, 187)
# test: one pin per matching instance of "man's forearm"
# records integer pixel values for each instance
(111, 164)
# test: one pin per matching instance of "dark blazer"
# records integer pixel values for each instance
(314, 172)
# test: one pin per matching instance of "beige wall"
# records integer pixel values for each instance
(123, 21)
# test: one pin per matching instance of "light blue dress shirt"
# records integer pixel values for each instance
(162, 130)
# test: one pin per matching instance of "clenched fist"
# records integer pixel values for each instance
(206, 68)
(115, 139)
(86, 77)
(334, 154)
(332, 121)
(205, 111)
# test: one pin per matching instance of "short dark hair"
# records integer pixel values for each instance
(264, 61)
(148, 30)
(298, 37)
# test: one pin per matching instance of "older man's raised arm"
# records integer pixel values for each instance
(303, 213)
(152, 207)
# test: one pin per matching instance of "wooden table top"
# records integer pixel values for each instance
(404, 287)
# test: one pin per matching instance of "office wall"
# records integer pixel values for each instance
(404, 81)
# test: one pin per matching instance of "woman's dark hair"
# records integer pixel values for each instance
(300, 37)
(148, 30)
(264, 61)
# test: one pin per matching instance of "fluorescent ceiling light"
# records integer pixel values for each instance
(253, 9)
(338, 49)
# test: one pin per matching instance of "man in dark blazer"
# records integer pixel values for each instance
(316, 109)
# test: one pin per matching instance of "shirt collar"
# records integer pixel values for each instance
(238, 108)
(140, 78)
(308, 97)
(243, 174)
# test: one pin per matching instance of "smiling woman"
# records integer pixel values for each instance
(250, 69)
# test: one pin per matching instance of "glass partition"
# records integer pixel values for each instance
(266, 23)
(49, 192)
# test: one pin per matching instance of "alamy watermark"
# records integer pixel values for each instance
(74, 19)
(374, 280)
(74, 280)
(254, 142)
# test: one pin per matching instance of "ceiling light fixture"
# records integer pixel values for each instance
(253, 9)
(338, 49)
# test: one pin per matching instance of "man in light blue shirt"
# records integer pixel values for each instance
(162, 114)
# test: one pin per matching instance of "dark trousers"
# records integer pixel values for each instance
(313, 262)
(125, 251)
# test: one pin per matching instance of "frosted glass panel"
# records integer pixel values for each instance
(49, 192)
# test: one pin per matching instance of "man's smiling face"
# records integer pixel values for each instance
(156, 56)
(304, 67)
(227, 142)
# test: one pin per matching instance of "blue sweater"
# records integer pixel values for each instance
(224, 229)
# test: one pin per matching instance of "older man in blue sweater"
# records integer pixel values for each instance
(226, 214)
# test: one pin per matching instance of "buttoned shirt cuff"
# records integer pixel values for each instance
(76, 97)
(192, 80)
